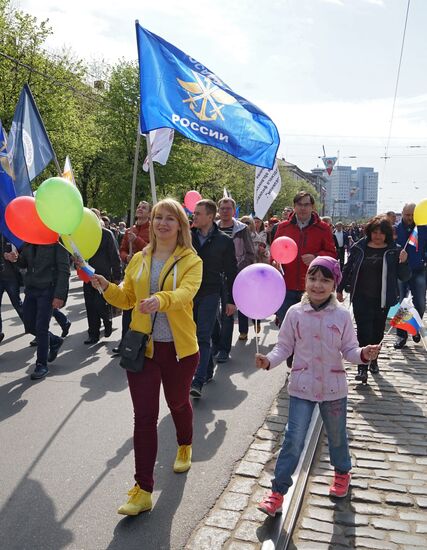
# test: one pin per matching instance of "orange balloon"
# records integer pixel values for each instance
(24, 222)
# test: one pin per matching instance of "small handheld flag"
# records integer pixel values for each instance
(413, 238)
(407, 318)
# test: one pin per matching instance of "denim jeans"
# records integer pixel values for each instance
(292, 297)
(12, 289)
(60, 318)
(334, 416)
(204, 311)
(37, 314)
(417, 286)
(224, 336)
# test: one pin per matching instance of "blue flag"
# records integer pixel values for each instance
(30, 150)
(7, 189)
(179, 92)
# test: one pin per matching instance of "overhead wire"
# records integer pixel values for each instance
(397, 83)
(51, 78)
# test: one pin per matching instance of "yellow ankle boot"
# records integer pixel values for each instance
(139, 501)
(183, 459)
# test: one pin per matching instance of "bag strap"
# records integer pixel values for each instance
(161, 288)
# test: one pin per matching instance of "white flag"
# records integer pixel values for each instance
(68, 173)
(161, 143)
(267, 187)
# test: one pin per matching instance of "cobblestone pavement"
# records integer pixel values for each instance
(386, 506)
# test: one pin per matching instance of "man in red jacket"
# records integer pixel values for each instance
(313, 238)
(138, 236)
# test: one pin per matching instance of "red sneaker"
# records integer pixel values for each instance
(340, 485)
(271, 504)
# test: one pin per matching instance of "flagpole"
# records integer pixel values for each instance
(55, 158)
(151, 167)
(134, 175)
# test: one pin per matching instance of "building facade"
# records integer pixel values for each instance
(351, 194)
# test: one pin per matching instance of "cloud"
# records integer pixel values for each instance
(380, 3)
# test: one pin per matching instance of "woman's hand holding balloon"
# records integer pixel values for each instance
(99, 282)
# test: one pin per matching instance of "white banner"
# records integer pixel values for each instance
(161, 143)
(267, 187)
(68, 173)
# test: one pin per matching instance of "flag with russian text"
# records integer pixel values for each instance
(413, 238)
(179, 92)
(7, 189)
(407, 318)
(30, 150)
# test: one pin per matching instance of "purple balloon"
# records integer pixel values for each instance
(259, 291)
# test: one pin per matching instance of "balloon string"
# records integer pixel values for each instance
(256, 337)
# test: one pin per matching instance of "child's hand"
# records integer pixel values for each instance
(371, 352)
(340, 297)
(261, 361)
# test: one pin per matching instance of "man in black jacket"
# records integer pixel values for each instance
(106, 262)
(219, 260)
(46, 288)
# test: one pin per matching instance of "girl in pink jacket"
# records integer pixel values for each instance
(319, 332)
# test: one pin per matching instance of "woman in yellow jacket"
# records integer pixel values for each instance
(172, 355)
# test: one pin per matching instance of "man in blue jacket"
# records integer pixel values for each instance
(219, 260)
(416, 259)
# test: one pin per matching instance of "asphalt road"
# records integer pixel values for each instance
(66, 458)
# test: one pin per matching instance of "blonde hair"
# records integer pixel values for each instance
(247, 220)
(173, 207)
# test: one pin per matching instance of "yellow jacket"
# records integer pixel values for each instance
(177, 304)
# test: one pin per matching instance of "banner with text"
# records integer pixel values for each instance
(267, 187)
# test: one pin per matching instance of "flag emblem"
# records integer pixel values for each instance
(178, 92)
(27, 145)
(209, 94)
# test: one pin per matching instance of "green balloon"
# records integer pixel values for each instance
(87, 237)
(59, 205)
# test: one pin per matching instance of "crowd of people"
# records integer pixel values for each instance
(173, 277)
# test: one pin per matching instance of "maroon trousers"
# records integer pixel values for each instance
(176, 377)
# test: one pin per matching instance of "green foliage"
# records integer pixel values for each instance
(98, 128)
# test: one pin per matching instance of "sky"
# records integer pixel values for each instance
(325, 71)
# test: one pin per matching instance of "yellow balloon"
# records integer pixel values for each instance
(420, 213)
(87, 237)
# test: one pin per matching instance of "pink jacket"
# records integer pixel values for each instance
(318, 340)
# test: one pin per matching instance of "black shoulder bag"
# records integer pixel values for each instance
(134, 343)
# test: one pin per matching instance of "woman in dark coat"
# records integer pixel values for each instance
(375, 264)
